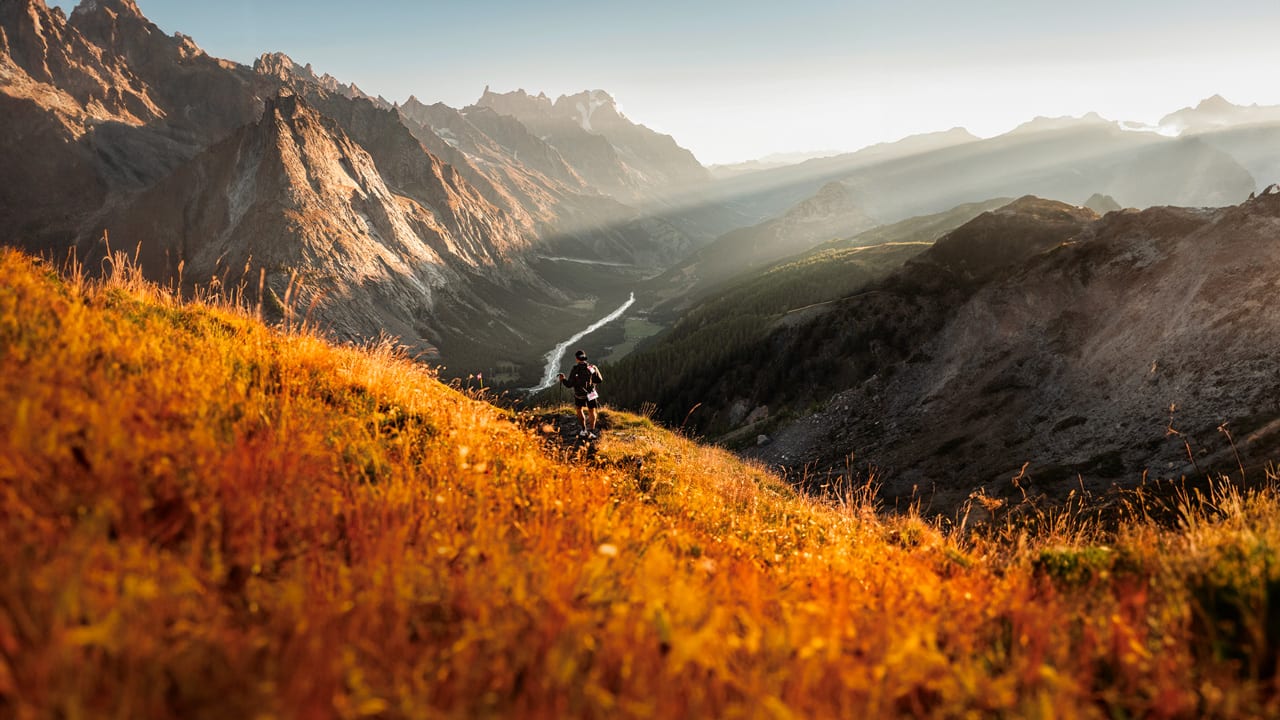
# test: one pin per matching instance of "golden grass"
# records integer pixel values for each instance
(206, 517)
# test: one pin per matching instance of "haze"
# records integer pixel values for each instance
(739, 80)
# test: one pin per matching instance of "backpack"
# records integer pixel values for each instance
(593, 378)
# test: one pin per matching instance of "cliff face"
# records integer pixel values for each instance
(56, 89)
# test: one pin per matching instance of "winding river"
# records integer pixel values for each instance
(554, 357)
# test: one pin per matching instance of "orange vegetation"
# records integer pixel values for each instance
(206, 517)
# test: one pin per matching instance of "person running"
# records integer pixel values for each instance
(583, 378)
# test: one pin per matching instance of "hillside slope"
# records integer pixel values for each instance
(205, 517)
(710, 356)
(1143, 345)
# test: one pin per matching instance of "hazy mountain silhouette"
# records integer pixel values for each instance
(1217, 113)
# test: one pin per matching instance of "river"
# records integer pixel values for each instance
(555, 356)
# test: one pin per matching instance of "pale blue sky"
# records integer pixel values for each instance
(735, 80)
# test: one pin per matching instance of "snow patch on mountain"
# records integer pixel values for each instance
(596, 99)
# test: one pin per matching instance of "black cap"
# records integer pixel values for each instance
(581, 355)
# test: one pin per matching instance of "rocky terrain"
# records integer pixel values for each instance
(1124, 346)
(98, 104)
(293, 203)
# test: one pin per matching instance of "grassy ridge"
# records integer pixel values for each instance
(205, 517)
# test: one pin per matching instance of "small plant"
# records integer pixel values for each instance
(1075, 566)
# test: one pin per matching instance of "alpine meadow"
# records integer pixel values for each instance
(494, 400)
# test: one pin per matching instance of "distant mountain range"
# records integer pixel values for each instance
(773, 160)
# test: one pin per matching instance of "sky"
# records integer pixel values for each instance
(738, 80)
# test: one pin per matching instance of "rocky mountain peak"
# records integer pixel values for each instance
(90, 12)
(119, 27)
(280, 66)
(275, 64)
(1266, 202)
(517, 103)
(587, 107)
(115, 7)
(89, 82)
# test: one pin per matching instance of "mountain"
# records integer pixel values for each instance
(910, 145)
(626, 160)
(532, 181)
(1121, 346)
(215, 170)
(995, 240)
(1251, 134)
(283, 68)
(1042, 124)
(769, 192)
(1216, 113)
(99, 104)
(294, 199)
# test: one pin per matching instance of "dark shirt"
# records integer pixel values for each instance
(582, 378)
